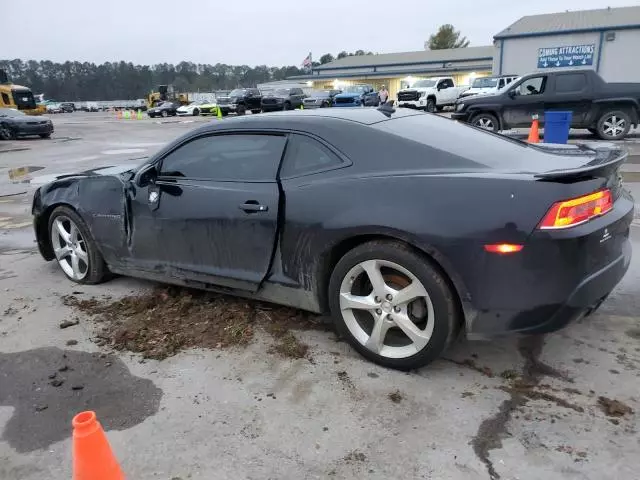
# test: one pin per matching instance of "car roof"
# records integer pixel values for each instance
(360, 115)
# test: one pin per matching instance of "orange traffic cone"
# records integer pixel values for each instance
(92, 455)
(534, 132)
(118, 114)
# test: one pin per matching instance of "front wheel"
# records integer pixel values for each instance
(196, 112)
(45, 135)
(486, 121)
(614, 125)
(392, 305)
(6, 132)
(75, 250)
(255, 111)
(241, 110)
(164, 114)
(431, 105)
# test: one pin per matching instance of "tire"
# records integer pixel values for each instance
(286, 106)
(45, 135)
(435, 308)
(164, 114)
(256, 111)
(486, 121)
(431, 105)
(241, 110)
(613, 125)
(196, 112)
(95, 270)
(324, 105)
(7, 133)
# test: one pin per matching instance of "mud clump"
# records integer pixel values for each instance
(396, 397)
(355, 456)
(161, 323)
(614, 408)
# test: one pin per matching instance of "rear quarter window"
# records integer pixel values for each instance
(571, 82)
(433, 142)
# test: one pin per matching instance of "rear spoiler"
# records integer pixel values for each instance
(605, 156)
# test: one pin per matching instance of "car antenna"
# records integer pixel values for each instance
(387, 109)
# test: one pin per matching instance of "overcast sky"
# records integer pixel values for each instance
(251, 32)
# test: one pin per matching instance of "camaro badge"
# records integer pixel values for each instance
(605, 236)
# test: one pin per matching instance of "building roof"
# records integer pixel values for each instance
(404, 58)
(582, 20)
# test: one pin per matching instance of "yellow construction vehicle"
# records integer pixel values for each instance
(18, 97)
(166, 93)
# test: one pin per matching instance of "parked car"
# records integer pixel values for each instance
(54, 108)
(210, 108)
(357, 96)
(14, 124)
(320, 99)
(488, 85)
(408, 227)
(165, 109)
(282, 99)
(243, 99)
(607, 110)
(430, 94)
(193, 109)
(68, 107)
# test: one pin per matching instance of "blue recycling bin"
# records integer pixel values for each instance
(556, 126)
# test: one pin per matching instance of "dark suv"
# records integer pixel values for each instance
(68, 107)
(243, 99)
(282, 99)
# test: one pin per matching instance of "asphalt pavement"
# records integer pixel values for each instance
(246, 413)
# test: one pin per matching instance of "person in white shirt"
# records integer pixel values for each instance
(383, 94)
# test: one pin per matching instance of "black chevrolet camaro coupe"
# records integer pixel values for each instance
(406, 226)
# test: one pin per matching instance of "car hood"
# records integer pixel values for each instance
(277, 97)
(24, 120)
(348, 95)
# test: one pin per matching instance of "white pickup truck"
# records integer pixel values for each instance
(430, 94)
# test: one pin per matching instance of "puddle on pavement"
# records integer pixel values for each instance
(22, 174)
(89, 381)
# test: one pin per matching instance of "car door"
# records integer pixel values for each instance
(450, 92)
(297, 96)
(211, 213)
(570, 93)
(524, 100)
(255, 99)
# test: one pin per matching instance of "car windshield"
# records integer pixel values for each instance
(486, 82)
(323, 93)
(10, 112)
(355, 89)
(237, 92)
(282, 91)
(424, 84)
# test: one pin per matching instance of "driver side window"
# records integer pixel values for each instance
(532, 86)
(239, 158)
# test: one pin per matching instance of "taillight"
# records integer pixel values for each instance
(570, 213)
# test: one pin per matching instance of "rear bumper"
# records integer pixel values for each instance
(560, 277)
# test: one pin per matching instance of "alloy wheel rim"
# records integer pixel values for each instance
(70, 248)
(485, 123)
(387, 309)
(614, 125)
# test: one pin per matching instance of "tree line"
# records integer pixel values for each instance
(82, 81)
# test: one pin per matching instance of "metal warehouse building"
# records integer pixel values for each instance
(397, 70)
(607, 40)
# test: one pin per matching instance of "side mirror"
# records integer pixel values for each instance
(512, 93)
(146, 176)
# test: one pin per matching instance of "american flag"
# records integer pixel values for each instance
(306, 63)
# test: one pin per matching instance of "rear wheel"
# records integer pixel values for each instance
(196, 112)
(74, 247)
(164, 113)
(241, 110)
(614, 125)
(256, 111)
(6, 132)
(486, 121)
(392, 305)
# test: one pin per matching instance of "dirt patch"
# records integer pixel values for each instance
(634, 333)
(396, 397)
(614, 408)
(165, 321)
(355, 456)
(532, 391)
(472, 364)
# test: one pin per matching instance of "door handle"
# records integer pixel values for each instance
(251, 206)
